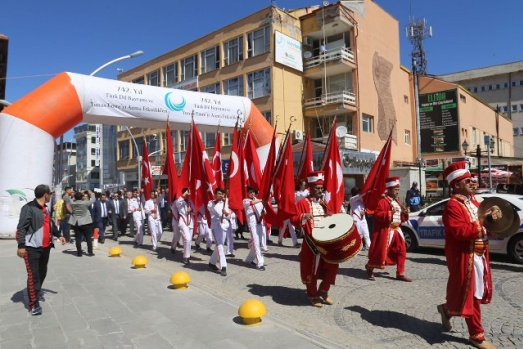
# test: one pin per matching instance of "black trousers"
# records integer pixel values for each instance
(85, 231)
(130, 222)
(36, 260)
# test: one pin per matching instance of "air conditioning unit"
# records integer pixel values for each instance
(297, 135)
(307, 41)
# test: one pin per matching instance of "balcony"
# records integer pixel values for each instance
(331, 103)
(336, 61)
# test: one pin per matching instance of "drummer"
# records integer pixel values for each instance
(388, 242)
(312, 267)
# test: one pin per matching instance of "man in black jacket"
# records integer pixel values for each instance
(34, 235)
(414, 200)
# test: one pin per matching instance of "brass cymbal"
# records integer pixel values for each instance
(503, 224)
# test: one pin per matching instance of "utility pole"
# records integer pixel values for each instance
(417, 31)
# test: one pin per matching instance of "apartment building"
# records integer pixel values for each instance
(501, 86)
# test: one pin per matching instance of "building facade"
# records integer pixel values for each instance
(501, 86)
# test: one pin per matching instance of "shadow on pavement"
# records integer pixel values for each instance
(287, 257)
(280, 294)
(431, 332)
(435, 261)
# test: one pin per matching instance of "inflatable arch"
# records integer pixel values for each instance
(29, 127)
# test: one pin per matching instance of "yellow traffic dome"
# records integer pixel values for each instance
(251, 311)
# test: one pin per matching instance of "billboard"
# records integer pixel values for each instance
(287, 51)
(439, 129)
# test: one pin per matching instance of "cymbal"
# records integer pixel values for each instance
(508, 215)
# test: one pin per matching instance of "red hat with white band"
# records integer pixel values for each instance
(456, 172)
(315, 178)
(392, 182)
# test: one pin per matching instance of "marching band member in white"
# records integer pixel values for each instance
(254, 211)
(358, 214)
(185, 208)
(204, 232)
(136, 208)
(300, 193)
(175, 225)
(219, 224)
(155, 221)
(229, 238)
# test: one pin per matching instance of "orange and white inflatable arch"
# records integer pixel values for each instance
(29, 127)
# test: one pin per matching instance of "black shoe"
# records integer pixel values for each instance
(36, 310)
(213, 267)
(223, 272)
(173, 251)
(71, 241)
(262, 268)
(186, 261)
(41, 297)
(115, 239)
(209, 250)
(91, 254)
(230, 255)
(197, 248)
(101, 241)
(79, 254)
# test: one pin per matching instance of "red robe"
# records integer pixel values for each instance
(380, 252)
(461, 230)
(326, 271)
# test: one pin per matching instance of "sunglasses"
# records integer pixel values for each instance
(467, 181)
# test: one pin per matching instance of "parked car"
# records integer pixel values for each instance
(425, 229)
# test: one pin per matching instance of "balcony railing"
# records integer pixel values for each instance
(334, 54)
(345, 97)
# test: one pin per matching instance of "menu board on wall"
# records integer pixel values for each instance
(439, 129)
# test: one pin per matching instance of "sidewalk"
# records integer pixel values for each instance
(102, 302)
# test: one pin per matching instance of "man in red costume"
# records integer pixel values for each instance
(312, 266)
(466, 249)
(388, 243)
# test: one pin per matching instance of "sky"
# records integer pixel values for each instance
(49, 37)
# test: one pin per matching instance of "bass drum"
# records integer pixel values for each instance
(337, 238)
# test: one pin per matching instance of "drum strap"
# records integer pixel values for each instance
(311, 245)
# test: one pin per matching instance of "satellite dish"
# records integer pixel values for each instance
(307, 54)
(341, 131)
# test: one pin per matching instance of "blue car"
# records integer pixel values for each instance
(425, 229)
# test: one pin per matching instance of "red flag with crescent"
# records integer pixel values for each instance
(147, 175)
(170, 167)
(217, 162)
(235, 177)
(334, 184)
(252, 163)
(307, 164)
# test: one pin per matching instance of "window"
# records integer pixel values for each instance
(490, 87)
(505, 108)
(227, 139)
(93, 139)
(170, 75)
(189, 67)
(505, 85)
(268, 116)
(367, 123)
(498, 86)
(516, 131)
(233, 50)
(259, 83)
(406, 99)
(258, 41)
(214, 88)
(513, 84)
(93, 163)
(209, 139)
(140, 80)
(407, 136)
(123, 150)
(521, 107)
(514, 108)
(233, 87)
(483, 89)
(520, 82)
(93, 151)
(475, 89)
(210, 59)
(462, 98)
(153, 78)
(183, 138)
(139, 143)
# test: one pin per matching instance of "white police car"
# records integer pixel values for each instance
(425, 229)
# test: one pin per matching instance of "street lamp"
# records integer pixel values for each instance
(490, 149)
(100, 129)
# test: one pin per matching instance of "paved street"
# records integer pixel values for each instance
(101, 302)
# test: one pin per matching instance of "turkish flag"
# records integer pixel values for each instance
(147, 175)
(374, 185)
(334, 184)
(252, 163)
(236, 177)
(283, 182)
(268, 171)
(184, 174)
(217, 162)
(169, 168)
(201, 178)
(307, 164)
